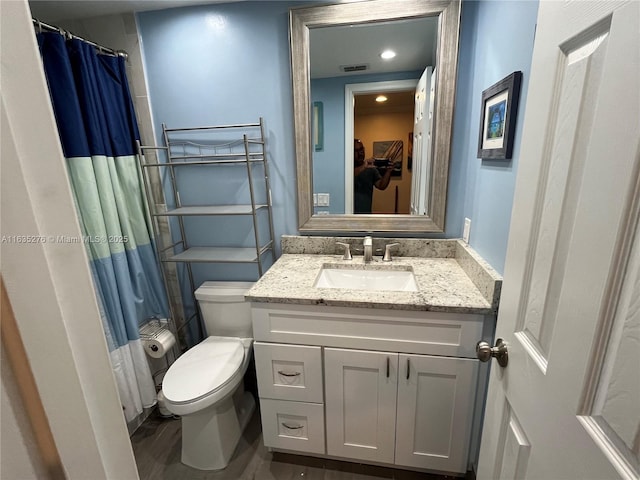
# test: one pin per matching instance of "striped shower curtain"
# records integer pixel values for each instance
(98, 132)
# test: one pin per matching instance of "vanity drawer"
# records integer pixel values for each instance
(293, 425)
(289, 372)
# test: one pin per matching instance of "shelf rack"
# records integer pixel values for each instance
(163, 195)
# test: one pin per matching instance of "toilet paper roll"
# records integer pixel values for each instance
(158, 346)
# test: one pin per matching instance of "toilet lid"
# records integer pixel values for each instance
(203, 369)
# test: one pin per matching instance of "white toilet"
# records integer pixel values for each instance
(205, 385)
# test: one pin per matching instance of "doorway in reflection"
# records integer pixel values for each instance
(384, 123)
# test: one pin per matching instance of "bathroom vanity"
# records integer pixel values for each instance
(374, 371)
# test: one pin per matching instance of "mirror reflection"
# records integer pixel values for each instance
(325, 135)
(370, 86)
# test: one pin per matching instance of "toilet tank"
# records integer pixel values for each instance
(224, 310)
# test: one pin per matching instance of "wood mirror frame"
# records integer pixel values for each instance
(300, 21)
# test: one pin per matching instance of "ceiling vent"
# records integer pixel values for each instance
(354, 68)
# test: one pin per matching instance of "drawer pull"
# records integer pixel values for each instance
(388, 367)
(288, 374)
(408, 369)
(292, 427)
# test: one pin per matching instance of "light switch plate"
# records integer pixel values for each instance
(323, 199)
(466, 230)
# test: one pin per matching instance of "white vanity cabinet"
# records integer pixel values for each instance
(392, 387)
(411, 410)
(436, 400)
(361, 390)
(291, 396)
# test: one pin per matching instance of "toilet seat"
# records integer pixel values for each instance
(203, 371)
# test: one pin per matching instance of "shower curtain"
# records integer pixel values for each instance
(98, 132)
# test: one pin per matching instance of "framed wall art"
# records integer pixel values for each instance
(387, 153)
(498, 113)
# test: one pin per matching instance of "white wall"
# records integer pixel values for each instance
(49, 283)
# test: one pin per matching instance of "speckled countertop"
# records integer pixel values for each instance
(451, 277)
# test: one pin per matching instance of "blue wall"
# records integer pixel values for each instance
(485, 58)
(229, 63)
(224, 64)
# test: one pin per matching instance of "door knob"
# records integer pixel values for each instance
(484, 352)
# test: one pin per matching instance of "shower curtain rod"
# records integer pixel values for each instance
(40, 25)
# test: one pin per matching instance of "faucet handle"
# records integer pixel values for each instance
(347, 251)
(387, 251)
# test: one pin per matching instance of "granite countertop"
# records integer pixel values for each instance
(450, 279)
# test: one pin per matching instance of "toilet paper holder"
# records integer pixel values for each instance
(157, 338)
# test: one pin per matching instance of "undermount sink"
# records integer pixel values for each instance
(363, 279)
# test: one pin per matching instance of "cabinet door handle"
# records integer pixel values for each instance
(291, 427)
(408, 368)
(288, 374)
(388, 362)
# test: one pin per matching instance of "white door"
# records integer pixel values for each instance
(567, 406)
(436, 396)
(360, 401)
(421, 168)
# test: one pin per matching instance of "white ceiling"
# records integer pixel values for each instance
(330, 47)
(414, 41)
(58, 10)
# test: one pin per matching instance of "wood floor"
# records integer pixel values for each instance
(156, 445)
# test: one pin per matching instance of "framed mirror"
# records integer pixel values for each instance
(404, 14)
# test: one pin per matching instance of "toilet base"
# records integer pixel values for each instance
(210, 437)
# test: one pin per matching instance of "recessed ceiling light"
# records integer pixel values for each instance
(387, 54)
(381, 98)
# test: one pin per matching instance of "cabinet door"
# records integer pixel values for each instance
(435, 410)
(360, 400)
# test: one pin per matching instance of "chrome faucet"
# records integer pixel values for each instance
(368, 249)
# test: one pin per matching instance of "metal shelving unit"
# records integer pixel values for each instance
(181, 151)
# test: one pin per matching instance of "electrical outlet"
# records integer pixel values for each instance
(315, 199)
(466, 230)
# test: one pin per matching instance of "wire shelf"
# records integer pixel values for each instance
(153, 328)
